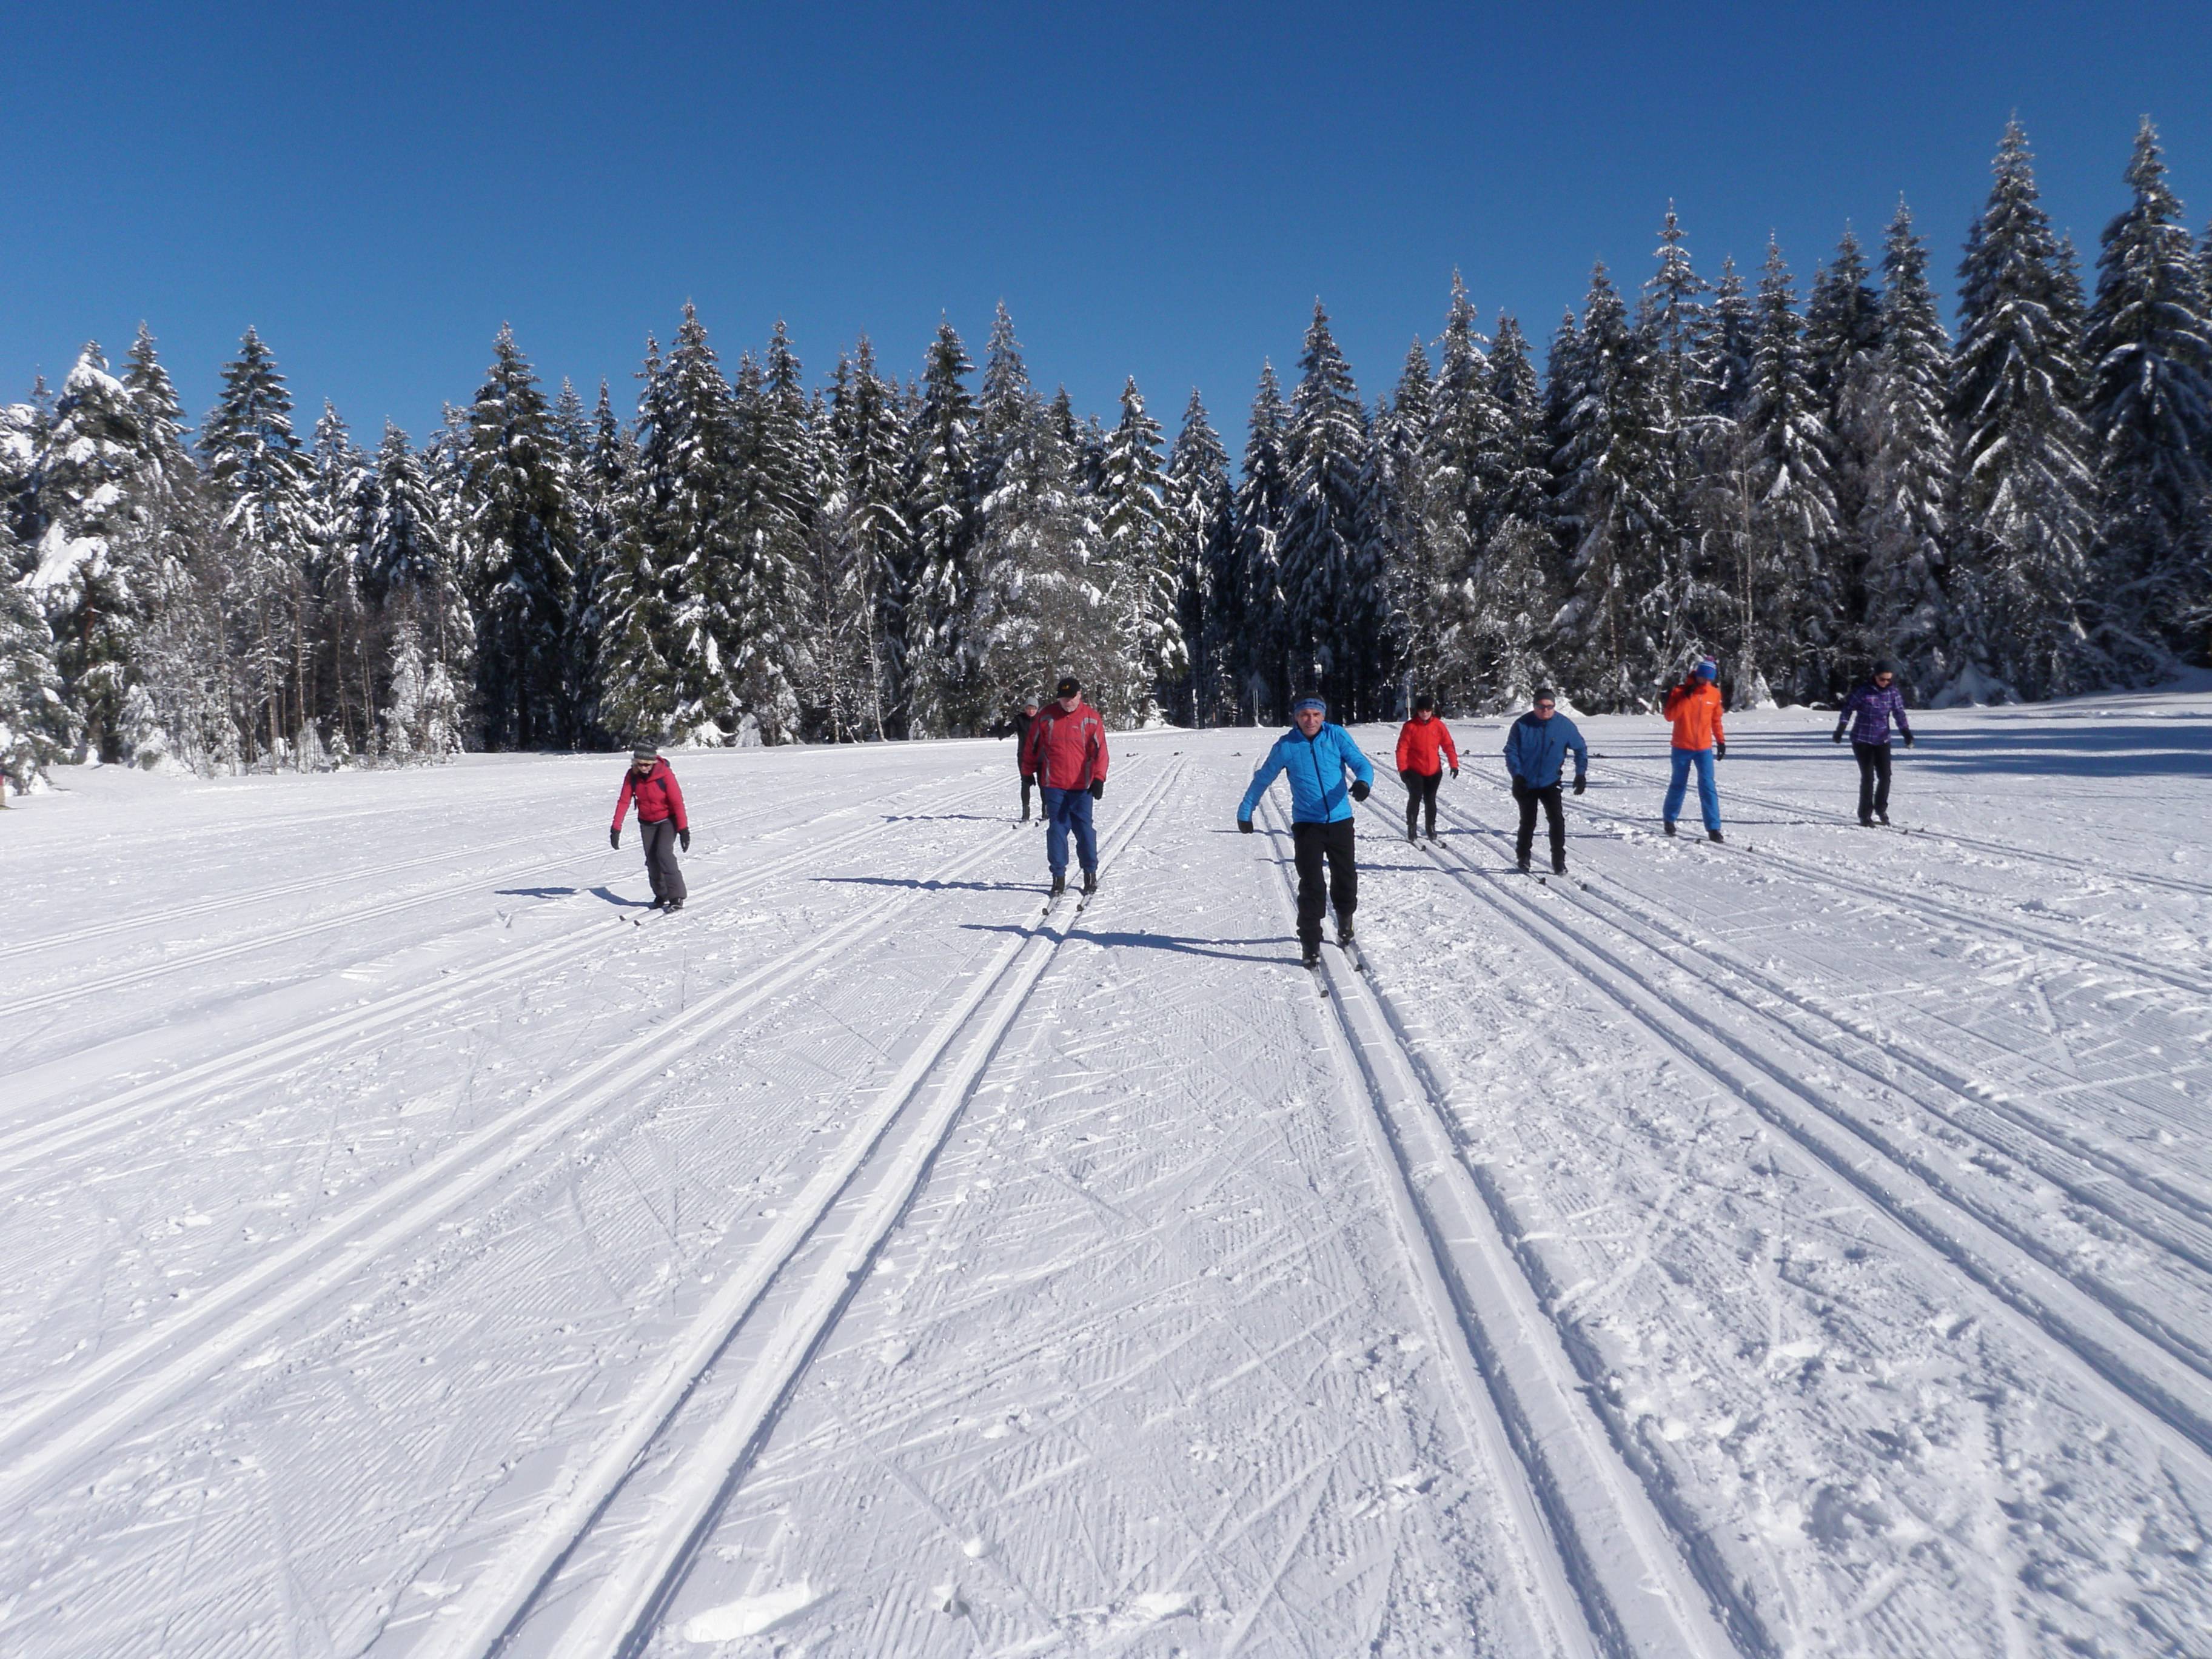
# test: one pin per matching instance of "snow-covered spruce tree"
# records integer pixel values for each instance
(1141, 566)
(772, 511)
(1676, 325)
(2026, 487)
(1007, 407)
(259, 477)
(1336, 595)
(1610, 634)
(180, 708)
(874, 461)
(1790, 614)
(572, 426)
(525, 525)
(2150, 416)
(1263, 649)
(636, 686)
(600, 479)
(1509, 594)
(1202, 512)
(22, 434)
(1419, 515)
(1040, 607)
(946, 696)
(84, 577)
(36, 725)
(1734, 339)
(339, 512)
(409, 575)
(1465, 442)
(1904, 522)
(1842, 331)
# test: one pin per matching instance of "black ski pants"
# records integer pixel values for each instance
(1525, 796)
(1029, 782)
(1312, 843)
(1421, 791)
(1874, 777)
(659, 839)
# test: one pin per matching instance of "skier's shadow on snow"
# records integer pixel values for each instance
(944, 818)
(933, 886)
(538, 892)
(1189, 947)
(619, 902)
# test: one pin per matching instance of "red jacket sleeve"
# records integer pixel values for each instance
(622, 801)
(1098, 747)
(675, 799)
(1033, 746)
(1452, 752)
(1405, 740)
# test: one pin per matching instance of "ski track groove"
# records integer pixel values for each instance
(2172, 1405)
(1994, 848)
(23, 1147)
(312, 1265)
(2188, 1233)
(620, 1616)
(2008, 931)
(1612, 1575)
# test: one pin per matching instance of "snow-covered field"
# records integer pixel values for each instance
(1798, 1247)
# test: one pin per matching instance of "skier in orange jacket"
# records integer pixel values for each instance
(1694, 706)
(1424, 748)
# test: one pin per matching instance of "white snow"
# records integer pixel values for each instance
(1802, 1246)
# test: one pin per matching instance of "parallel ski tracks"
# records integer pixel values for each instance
(798, 1282)
(2004, 929)
(1619, 1569)
(47, 1435)
(1980, 844)
(2167, 1394)
(2179, 1221)
(21, 1148)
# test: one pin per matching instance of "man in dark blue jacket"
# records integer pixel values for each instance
(1536, 754)
(1314, 756)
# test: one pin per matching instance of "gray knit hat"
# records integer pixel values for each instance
(645, 751)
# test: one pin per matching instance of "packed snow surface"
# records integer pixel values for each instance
(1802, 1246)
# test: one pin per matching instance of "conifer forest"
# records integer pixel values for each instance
(1793, 474)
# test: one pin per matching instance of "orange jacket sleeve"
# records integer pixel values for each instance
(1719, 736)
(1405, 746)
(1451, 749)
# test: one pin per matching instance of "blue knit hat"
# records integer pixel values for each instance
(1707, 669)
(1312, 700)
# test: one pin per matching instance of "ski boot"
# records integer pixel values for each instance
(1090, 883)
(1524, 866)
(1866, 820)
(1667, 824)
(1712, 834)
(1560, 864)
(1310, 957)
(1882, 816)
(1343, 935)
(1058, 885)
(674, 905)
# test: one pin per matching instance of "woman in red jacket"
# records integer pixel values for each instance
(661, 823)
(1424, 747)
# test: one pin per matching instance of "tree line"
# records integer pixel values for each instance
(2021, 513)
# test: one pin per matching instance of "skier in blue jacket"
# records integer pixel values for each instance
(1314, 756)
(1536, 749)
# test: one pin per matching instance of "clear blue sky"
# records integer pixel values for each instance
(1159, 191)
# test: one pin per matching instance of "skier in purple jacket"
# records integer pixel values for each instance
(1867, 712)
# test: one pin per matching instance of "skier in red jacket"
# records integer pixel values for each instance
(662, 823)
(1065, 748)
(1425, 746)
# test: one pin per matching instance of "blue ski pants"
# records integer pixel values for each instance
(1066, 810)
(1709, 793)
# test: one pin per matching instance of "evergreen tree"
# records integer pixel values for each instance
(636, 686)
(1465, 442)
(946, 696)
(525, 525)
(259, 477)
(1789, 612)
(1676, 326)
(1202, 511)
(409, 571)
(773, 516)
(36, 724)
(1334, 589)
(1734, 339)
(876, 461)
(1843, 332)
(338, 512)
(1263, 662)
(2150, 416)
(1508, 596)
(2025, 483)
(1904, 513)
(1144, 593)
(1612, 496)
(1420, 514)
(601, 483)
(84, 577)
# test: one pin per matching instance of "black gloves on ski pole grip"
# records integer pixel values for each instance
(614, 839)
(1099, 789)
(1359, 790)
(683, 839)
(1581, 784)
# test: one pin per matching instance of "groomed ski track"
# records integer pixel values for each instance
(1801, 1247)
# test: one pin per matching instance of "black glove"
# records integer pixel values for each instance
(1244, 826)
(1028, 778)
(1359, 790)
(1455, 771)
(683, 839)
(1720, 751)
(1099, 789)
(614, 837)
(1581, 784)
(1908, 740)
(1838, 737)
